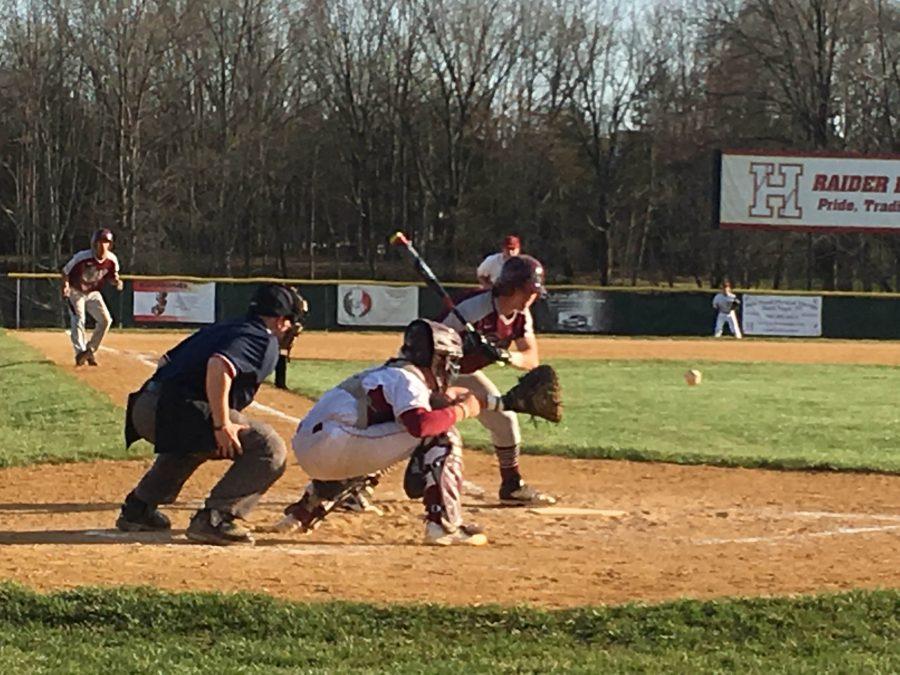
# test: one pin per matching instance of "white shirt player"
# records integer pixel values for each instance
(492, 266)
(724, 303)
(331, 443)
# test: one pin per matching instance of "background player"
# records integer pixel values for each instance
(502, 315)
(490, 268)
(725, 304)
(385, 415)
(82, 278)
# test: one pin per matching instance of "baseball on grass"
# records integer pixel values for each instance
(693, 377)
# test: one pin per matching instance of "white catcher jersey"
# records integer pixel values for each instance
(400, 390)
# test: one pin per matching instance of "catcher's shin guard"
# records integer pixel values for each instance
(442, 467)
(414, 477)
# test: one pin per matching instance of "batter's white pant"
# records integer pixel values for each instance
(87, 303)
(731, 319)
(330, 450)
(503, 426)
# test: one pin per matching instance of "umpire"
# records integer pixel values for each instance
(190, 411)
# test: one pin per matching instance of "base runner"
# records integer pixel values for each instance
(82, 278)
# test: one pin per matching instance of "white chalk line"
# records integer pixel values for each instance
(299, 549)
(841, 531)
(147, 361)
(834, 514)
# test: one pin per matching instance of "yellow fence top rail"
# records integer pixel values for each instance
(452, 284)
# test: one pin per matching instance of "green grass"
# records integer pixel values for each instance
(47, 415)
(744, 414)
(129, 630)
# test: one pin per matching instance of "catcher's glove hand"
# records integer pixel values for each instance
(537, 393)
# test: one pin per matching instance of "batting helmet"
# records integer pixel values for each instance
(103, 234)
(521, 272)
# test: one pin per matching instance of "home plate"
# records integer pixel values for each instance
(572, 511)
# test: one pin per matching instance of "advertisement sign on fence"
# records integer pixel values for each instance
(174, 301)
(368, 305)
(578, 312)
(782, 191)
(790, 315)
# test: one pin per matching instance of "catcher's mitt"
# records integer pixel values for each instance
(537, 393)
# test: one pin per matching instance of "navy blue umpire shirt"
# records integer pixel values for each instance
(245, 343)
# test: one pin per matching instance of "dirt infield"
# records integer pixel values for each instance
(680, 531)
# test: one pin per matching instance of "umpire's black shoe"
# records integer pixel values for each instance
(209, 526)
(138, 516)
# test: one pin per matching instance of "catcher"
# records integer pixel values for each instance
(385, 415)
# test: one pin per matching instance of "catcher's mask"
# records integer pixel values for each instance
(432, 345)
(521, 272)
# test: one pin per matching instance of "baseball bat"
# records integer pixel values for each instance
(399, 239)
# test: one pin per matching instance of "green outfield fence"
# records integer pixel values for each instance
(32, 300)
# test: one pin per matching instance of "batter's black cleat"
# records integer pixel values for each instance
(81, 358)
(91, 359)
(138, 516)
(518, 493)
(209, 526)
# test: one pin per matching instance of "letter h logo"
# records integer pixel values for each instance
(775, 185)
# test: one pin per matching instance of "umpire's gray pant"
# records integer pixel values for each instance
(251, 474)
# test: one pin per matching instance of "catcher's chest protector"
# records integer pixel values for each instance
(353, 385)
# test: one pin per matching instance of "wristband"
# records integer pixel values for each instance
(493, 402)
(218, 427)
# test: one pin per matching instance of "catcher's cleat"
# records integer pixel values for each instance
(468, 535)
(81, 358)
(91, 359)
(297, 518)
(209, 526)
(138, 516)
(519, 493)
(359, 502)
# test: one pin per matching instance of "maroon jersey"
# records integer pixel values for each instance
(480, 309)
(87, 274)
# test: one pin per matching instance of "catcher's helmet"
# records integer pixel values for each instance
(279, 300)
(434, 346)
(521, 271)
(103, 234)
